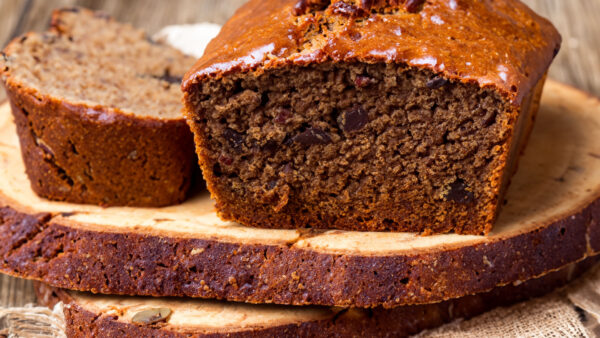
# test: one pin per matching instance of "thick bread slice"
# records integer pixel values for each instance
(89, 315)
(98, 112)
(551, 218)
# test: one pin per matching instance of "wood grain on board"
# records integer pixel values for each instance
(578, 63)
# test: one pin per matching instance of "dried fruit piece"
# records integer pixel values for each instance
(458, 193)
(151, 316)
(225, 159)
(234, 138)
(413, 6)
(312, 136)
(283, 116)
(362, 81)
(353, 119)
(300, 7)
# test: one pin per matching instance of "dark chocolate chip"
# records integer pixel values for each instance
(23, 39)
(353, 119)
(362, 81)
(436, 82)
(270, 147)
(68, 214)
(413, 6)
(151, 316)
(234, 138)
(346, 9)
(458, 193)
(312, 136)
(283, 116)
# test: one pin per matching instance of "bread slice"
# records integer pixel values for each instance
(90, 315)
(98, 110)
(550, 219)
(368, 115)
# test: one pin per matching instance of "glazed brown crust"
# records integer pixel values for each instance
(140, 264)
(506, 45)
(82, 154)
(378, 322)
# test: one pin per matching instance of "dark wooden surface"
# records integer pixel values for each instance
(577, 64)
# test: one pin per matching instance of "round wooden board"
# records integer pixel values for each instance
(551, 219)
(109, 316)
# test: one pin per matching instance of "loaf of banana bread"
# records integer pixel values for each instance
(398, 115)
(98, 112)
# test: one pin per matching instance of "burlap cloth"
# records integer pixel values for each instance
(573, 311)
(570, 312)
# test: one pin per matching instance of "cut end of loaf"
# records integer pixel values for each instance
(353, 146)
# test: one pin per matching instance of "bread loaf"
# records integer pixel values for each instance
(368, 115)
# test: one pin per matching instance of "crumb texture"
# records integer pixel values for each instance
(370, 147)
(90, 58)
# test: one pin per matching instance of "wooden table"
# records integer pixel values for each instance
(577, 64)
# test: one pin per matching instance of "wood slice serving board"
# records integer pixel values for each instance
(551, 218)
(88, 315)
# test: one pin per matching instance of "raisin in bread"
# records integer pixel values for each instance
(98, 111)
(368, 115)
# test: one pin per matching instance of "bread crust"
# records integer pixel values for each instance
(519, 45)
(83, 154)
(82, 321)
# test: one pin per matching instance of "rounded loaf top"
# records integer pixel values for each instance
(495, 43)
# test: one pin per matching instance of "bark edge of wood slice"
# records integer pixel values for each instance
(88, 315)
(551, 219)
